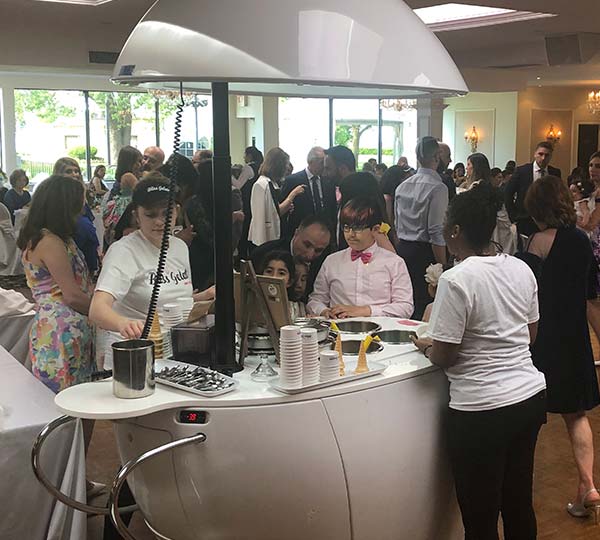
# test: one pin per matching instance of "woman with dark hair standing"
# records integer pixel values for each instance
(129, 162)
(561, 256)
(85, 232)
(478, 171)
(484, 317)
(96, 186)
(265, 207)
(253, 158)
(61, 348)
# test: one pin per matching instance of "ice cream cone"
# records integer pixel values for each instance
(361, 366)
(338, 348)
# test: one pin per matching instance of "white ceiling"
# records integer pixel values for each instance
(59, 36)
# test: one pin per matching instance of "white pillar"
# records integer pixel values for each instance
(271, 122)
(8, 129)
(430, 117)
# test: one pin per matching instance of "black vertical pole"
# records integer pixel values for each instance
(157, 121)
(88, 150)
(331, 127)
(379, 131)
(225, 309)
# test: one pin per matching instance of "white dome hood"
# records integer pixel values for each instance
(310, 48)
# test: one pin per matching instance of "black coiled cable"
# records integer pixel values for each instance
(164, 246)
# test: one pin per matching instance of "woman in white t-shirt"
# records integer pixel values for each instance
(120, 303)
(484, 317)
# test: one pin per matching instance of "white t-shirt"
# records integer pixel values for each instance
(129, 270)
(485, 304)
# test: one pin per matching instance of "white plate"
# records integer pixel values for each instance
(375, 368)
(423, 331)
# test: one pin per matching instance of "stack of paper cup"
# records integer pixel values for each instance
(172, 315)
(290, 357)
(186, 303)
(310, 356)
(329, 367)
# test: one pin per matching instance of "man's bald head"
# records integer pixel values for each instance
(153, 159)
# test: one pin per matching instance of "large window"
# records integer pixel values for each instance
(50, 125)
(355, 125)
(303, 123)
(398, 131)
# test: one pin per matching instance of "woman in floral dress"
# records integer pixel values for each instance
(61, 338)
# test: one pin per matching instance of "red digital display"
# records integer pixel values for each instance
(193, 417)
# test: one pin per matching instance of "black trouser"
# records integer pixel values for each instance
(492, 455)
(417, 256)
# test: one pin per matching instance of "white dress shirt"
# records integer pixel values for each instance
(537, 172)
(383, 284)
(314, 183)
(265, 224)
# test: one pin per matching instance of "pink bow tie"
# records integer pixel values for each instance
(364, 257)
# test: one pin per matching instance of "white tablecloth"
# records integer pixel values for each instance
(27, 511)
(20, 218)
(14, 336)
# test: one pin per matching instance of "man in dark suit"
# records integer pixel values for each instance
(310, 245)
(518, 185)
(442, 170)
(318, 196)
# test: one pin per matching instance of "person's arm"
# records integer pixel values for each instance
(389, 208)
(103, 314)
(319, 300)
(594, 219)
(510, 191)
(533, 330)
(286, 205)
(401, 297)
(435, 222)
(51, 251)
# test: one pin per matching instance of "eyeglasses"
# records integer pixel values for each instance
(356, 228)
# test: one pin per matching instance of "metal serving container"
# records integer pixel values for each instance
(357, 327)
(133, 368)
(351, 347)
(396, 337)
(260, 342)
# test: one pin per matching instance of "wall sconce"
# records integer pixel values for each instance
(472, 138)
(553, 136)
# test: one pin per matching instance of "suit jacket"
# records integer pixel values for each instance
(304, 204)
(284, 244)
(515, 192)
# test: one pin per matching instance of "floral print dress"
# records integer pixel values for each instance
(61, 347)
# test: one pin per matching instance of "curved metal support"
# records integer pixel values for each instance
(130, 466)
(45, 481)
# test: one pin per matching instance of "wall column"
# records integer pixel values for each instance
(9, 129)
(430, 117)
(270, 122)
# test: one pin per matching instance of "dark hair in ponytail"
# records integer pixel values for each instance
(475, 212)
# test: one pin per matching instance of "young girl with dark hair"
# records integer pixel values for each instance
(281, 264)
(61, 348)
(483, 320)
(364, 279)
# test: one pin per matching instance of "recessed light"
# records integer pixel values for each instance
(452, 16)
(539, 78)
(79, 2)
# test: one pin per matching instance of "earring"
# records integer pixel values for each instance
(453, 236)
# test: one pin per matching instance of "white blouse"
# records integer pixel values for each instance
(265, 224)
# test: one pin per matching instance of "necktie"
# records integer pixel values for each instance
(363, 256)
(318, 204)
(542, 173)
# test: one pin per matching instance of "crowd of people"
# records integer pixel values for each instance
(433, 243)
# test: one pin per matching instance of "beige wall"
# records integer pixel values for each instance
(566, 108)
(495, 116)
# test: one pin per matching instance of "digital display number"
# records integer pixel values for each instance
(193, 417)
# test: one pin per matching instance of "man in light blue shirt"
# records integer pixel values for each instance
(421, 202)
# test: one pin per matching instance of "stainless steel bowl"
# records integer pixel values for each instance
(357, 327)
(351, 347)
(395, 337)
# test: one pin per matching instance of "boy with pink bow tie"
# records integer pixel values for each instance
(364, 280)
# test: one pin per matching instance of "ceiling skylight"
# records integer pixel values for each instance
(453, 16)
(80, 2)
